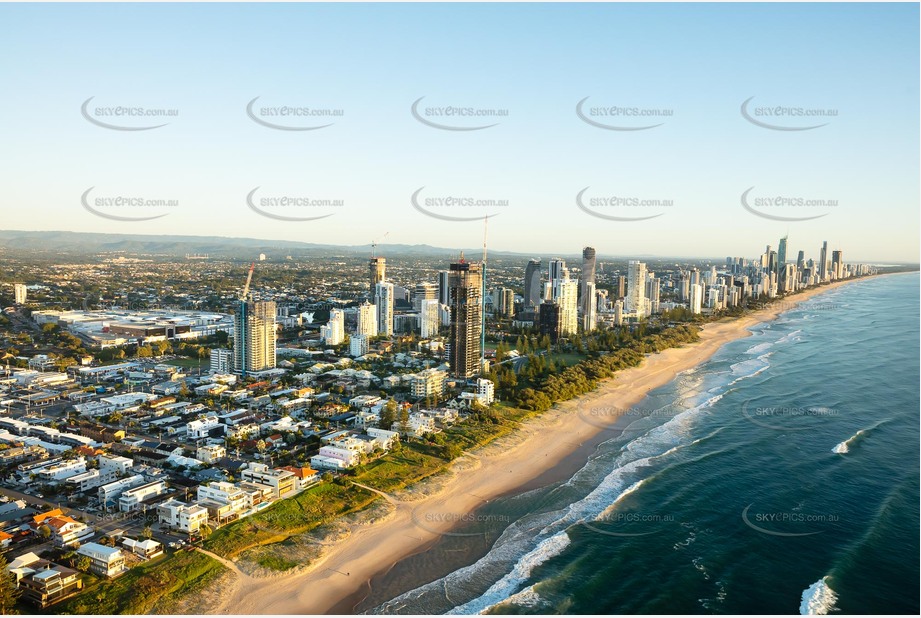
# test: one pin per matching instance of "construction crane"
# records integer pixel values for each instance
(249, 278)
(376, 241)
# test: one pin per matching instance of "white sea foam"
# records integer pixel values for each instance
(818, 599)
(503, 589)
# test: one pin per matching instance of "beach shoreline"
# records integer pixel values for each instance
(342, 577)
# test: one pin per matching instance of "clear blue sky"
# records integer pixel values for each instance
(537, 61)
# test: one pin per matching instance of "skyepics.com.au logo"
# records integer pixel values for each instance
(458, 207)
(621, 117)
(474, 524)
(791, 523)
(622, 207)
(118, 207)
(457, 117)
(786, 117)
(126, 117)
(628, 523)
(292, 117)
(788, 418)
(290, 207)
(780, 207)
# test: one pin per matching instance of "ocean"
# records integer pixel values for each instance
(780, 476)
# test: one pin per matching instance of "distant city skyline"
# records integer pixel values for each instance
(551, 86)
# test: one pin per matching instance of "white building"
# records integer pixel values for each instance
(429, 318)
(348, 457)
(282, 482)
(697, 298)
(114, 464)
(333, 332)
(428, 383)
(109, 492)
(636, 288)
(225, 493)
(485, 391)
(20, 293)
(568, 300)
(104, 561)
(131, 499)
(383, 300)
(367, 320)
(199, 428)
(211, 453)
(221, 360)
(358, 345)
(181, 516)
(63, 470)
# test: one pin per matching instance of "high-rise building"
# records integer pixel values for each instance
(823, 261)
(429, 318)
(586, 299)
(254, 337)
(333, 332)
(801, 260)
(367, 320)
(782, 254)
(556, 270)
(358, 345)
(837, 264)
(424, 291)
(383, 300)
(221, 360)
(503, 301)
(568, 300)
(697, 298)
(20, 293)
(377, 272)
(589, 308)
(465, 285)
(636, 288)
(620, 286)
(444, 290)
(588, 269)
(532, 287)
(550, 319)
(652, 292)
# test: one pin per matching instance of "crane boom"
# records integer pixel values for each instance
(249, 278)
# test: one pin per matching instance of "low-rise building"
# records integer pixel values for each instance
(132, 499)
(147, 548)
(210, 453)
(104, 561)
(67, 532)
(281, 481)
(181, 516)
(43, 583)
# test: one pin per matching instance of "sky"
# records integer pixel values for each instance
(703, 182)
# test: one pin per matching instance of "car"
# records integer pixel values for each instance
(39, 495)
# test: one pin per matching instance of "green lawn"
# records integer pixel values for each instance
(187, 363)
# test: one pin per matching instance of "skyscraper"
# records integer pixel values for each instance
(568, 299)
(589, 308)
(697, 297)
(429, 318)
(550, 319)
(444, 291)
(837, 264)
(823, 261)
(254, 337)
(424, 291)
(621, 286)
(367, 320)
(532, 286)
(333, 332)
(586, 298)
(383, 300)
(782, 254)
(465, 285)
(636, 288)
(377, 272)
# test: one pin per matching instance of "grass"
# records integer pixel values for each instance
(151, 585)
(289, 517)
(275, 562)
(567, 359)
(188, 363)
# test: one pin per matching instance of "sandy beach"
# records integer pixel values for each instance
(346, 568)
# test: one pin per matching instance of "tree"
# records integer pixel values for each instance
(44, 532)
(83, 563)
(9, 593)
(404, 421)
(388, 414)
(148, 532)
